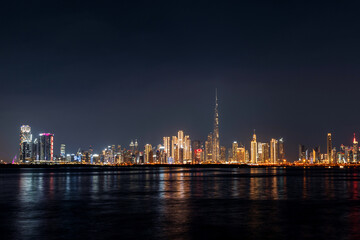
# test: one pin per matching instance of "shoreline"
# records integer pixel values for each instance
(115, 167)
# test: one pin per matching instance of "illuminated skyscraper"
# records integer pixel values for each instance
(260, 152)
(241, 154)
(234, 152)
(209, 148)
(180, 146)
(355, 150)
(62, 151)
(46, 147)
(216, 140)
(196, 151)
(148, 153)
(253, 150)
(281, 150)
(25, 151)
(266, 152)
(222, 154)
(329, 147)
(181, 138)
(167, 148)
(174, 143)
(273, 151)
(187, 148)
(132, 147)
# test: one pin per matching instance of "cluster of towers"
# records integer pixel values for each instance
(177, 149)
(39, 149)
(272, 152)
(346, 154)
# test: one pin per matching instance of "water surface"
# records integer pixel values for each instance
(179, 203)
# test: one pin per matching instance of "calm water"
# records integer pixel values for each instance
(267, 203)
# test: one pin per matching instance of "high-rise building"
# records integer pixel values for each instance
(329, 147)
(209, 148)
(253, 149)
(46, 147)
(180, 146)
(273, 151)
(197, 151)
(181, 138)
(62, 151)
(235, 146)
(355, 150)
(148, 153)
(132, 146)
(302, 153)
(266, 152)
(25, 151)
(187, 148)
(222, 154)
(216, 140)
(241, 154)
(167, 148)
(281, 150)
(174, 142)
(260, 152)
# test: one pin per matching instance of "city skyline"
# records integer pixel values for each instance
(274, 149)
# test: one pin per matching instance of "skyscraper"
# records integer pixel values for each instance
(253, 150)
(25, 151)
(174, 142)
(62, 151)
(355, 150)
(222, 154)
(260, 152)
(167, 148)
(180, 146)
(234, 152)
(208, 148)
(196, 151)
(148, 153)
(273, 151)
(329, 147)
(187, 148)
(46, 147)
(241, 154)
(216, 141)
(281, 149)
(266, 152)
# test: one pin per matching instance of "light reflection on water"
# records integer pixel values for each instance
(177, 203)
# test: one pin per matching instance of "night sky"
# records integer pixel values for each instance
(105, 72)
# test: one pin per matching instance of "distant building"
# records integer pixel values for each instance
(329, 148)
(62, 151)
(167, 148)
(235, 146)
(253, 149)
(273, 151)
(281, 150)
(216, 139)
(222, 154)
(46, 147)
(355, 150)
(25, 151)
(196, 151)
(208, 148)
(148, 153)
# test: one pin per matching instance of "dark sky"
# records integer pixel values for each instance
(105, 72)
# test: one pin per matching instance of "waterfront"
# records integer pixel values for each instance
(179, 203)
